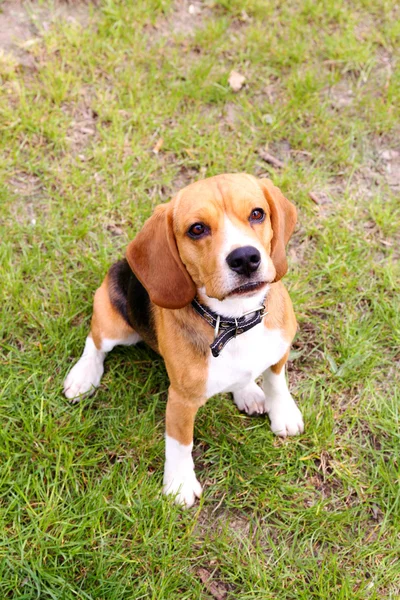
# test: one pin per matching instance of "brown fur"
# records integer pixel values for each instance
(180, 416)
(280, 311)
(280, 316)
(183, 338)
(171, 266)
(154, 258)
(210, 201)
(106, 320)
(186, 367)
(184, 353)
(283, 221)
(280, 364)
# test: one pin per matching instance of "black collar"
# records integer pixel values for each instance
(231, 327)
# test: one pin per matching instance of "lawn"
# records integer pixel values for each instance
(106, 110)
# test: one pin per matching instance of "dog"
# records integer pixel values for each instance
(200, 284)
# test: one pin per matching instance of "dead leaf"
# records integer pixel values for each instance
(158, 145)
(236, 81)
(114, 229)
(216, 589)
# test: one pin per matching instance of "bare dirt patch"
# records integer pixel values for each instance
(21, 23)
(82, 130)
(29, 195)
(390, 164)
(185, 18)
(341, 95)
(185, 176)
(380, 170)
(16, 28)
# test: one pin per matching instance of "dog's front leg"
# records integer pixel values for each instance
(179, 476)
(285, 417)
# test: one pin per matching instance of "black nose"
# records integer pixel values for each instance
(244, 260)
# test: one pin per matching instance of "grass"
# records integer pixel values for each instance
(81, 515)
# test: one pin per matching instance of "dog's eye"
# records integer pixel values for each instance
(198, 230)
(257, 215)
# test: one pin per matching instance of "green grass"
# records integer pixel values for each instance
(81, 514)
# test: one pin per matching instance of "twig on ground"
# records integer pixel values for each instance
(271, 160)
(314, 198)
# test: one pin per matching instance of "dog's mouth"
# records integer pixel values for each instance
(248, 288)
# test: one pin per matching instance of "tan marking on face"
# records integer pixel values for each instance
(106, 320)
(224, 204)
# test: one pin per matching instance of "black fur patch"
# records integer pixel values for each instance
(132, 301)
(119, 277)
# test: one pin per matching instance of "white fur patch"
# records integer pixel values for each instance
(285, 417)
(235, 306)
(235, 237)
(244, 358)
(85, 376)
(250, 399)
(108, 344)
(179, 476)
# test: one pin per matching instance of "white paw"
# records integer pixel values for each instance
(251, 399)
(184, 487)
(285, 417)
(83, 378)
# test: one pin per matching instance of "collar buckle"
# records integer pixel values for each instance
(263, 311)
(254, 310)
(216, 329)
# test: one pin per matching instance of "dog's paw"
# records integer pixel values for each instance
(286, 419)
(83, 378)
(184, 487)
(251, 399)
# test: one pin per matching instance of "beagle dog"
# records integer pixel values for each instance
(201, 285)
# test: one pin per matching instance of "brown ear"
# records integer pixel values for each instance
(283, 221)
(154, 258)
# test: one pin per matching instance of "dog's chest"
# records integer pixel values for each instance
(244, 359)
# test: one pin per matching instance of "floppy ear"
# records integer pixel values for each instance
(154, 258)
(283, 221)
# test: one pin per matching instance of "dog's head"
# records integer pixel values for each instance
(226, 235)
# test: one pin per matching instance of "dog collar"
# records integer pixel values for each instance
(230, 327)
